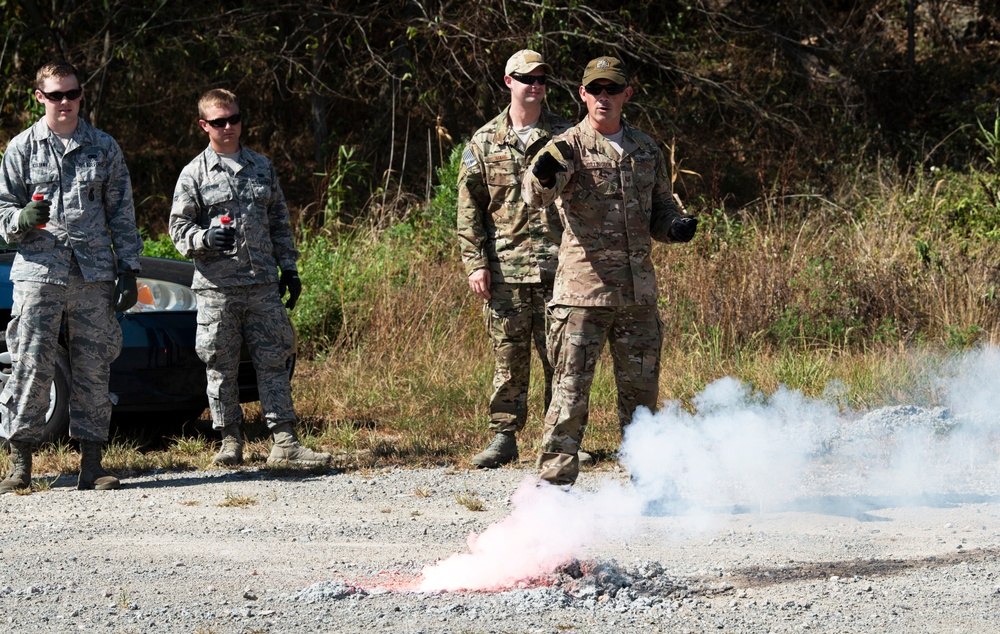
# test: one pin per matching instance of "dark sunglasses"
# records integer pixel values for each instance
(57, 96)
(529, 79)
(232, 119)
(611, 89)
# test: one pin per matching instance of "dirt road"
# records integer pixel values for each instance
(248, 551)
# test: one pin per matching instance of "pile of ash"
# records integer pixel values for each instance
(600, 580)
(327, 591)
(590, 584)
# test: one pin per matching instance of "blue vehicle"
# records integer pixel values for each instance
(158, 373)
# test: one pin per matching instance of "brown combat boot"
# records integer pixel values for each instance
(92, 474)
(287, 452)
(231, 452)
(20, 472)
(501, 450)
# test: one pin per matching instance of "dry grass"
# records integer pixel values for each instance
(470, 501)
(797, 291)
(234, 500)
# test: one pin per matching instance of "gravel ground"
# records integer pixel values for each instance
(249, 551)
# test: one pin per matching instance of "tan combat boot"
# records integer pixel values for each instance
(287, 451)
(231, 452)
(92, 474)
(501, 450)
(20, 472)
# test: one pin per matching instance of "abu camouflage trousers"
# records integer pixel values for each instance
(228, 318)
(515, 318)
(576, 338)
(83, 311)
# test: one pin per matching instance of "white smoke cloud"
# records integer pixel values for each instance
(743, 451)
(738, 447)
(971, 384)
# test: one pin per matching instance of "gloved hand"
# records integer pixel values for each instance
(290, 281)
(546, 167)
(34, 213)
(126, 292)
(682, 228)
(221, 238)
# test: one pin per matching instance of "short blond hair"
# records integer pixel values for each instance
(57, 70)
(216, 97)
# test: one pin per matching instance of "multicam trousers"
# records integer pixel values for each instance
(254, 314)
(515, 316)
(93, 340)
(576, 337)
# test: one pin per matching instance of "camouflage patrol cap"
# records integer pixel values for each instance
(610, 68)
(525, 61)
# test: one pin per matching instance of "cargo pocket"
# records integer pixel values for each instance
(207, 337)
(651, 356)
(557, 318)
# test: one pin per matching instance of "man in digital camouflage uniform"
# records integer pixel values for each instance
(610, 184)
(71, 246)
(508, 248)
(236, 279)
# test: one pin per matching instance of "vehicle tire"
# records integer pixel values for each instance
(57, 418)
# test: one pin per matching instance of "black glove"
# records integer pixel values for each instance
(682, 228)
(127, 291)
(290, 281)
(546, 167)
(34, 213)
(221, 238)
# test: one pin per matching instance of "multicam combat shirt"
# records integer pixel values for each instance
(252, 198)
(496, 229)
(92, 217)
(611, 208)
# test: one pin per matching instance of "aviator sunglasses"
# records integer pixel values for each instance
(232, 119)
(611, 89)
(529, 79)
(57, 96)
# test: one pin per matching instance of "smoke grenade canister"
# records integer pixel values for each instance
(38, 196)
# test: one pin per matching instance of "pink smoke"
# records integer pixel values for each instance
(548, 527)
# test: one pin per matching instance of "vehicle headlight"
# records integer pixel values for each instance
(157, 295)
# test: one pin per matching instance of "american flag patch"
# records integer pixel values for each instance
(468, 159)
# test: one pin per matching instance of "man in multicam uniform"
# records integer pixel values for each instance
(71, 247)
(508, 248)
(610, 184)
(236, 279)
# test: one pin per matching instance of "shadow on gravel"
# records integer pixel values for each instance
(857, 507)
(208, 478)
(860, 507)
(758, 576)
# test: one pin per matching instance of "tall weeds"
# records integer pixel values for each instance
(850, 295)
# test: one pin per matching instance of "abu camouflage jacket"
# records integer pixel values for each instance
(92, 218)
(252, 198)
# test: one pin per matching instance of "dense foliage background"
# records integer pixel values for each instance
(756, 97)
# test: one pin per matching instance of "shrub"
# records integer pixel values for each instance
(160, 247)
